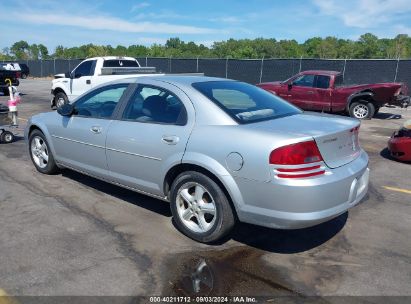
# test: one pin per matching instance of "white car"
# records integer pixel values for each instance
(91, 73)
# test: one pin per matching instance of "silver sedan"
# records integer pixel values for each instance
(218, 150)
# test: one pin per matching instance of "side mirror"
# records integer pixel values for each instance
(66, 110)
(290, 86)
(67, 75)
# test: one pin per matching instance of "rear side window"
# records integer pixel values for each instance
(304, 81)
(151, 104)
(118, 63)
(245, 103)
(322, 82)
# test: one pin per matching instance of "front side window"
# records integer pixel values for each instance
(84, 69)
(100, 103)
(155, 105)
(244, 102)
(304, 81)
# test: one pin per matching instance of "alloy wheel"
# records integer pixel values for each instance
(60, 102)
(360, 111)
(8, 137)
(196, 207)
(39, 152)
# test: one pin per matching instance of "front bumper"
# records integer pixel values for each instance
(305, 202)
(400, 147)
(401, 100)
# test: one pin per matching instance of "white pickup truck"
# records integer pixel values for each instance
(91, 73)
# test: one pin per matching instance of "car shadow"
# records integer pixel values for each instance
(385, 153)
(140, 200)
(288, 241)
(18, 138)
(267, 239)
(387, 116)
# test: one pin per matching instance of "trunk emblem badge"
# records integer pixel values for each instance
(329, 140)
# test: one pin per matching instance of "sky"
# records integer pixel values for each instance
(107, 22)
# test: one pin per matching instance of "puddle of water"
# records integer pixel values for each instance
(274, 263)
(235, 271)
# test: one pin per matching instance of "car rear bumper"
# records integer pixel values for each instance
(305, 202)
(400, 148)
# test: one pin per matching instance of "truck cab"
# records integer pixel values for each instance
(309, 90)
(91, 73)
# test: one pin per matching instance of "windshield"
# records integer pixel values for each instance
(244, 102)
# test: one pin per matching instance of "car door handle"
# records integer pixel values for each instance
(88, 81)
(310, 92)
(95, 129)
(170, 140)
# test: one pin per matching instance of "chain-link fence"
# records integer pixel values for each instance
(254, 70)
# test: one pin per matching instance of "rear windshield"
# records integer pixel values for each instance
(244, 102)
(118, 63)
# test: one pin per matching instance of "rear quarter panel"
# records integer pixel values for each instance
(209, 147)
(254, 145)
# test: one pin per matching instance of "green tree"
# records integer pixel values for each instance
(137, 50)
(44, 52)
(367, 46)
(34, 51)
(20, 49)
(59, 52)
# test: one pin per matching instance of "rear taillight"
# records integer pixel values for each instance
(18, 75)
(398, 91)
(356, 139)
(292, 160)
(356, 129)
(296, 154)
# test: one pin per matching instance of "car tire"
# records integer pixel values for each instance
(60, 99)
(200, 208)
(362, 109)
(6, 137)
(23, 76)
(40, 153)
(377, 109)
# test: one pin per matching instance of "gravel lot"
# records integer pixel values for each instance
(74, 235)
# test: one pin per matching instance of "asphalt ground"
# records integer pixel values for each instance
(70, 234)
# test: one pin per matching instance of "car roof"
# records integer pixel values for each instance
(111, 58)
(321, 72)
(179, 79)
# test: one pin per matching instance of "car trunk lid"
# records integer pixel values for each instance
(336, 137)
(339, 148)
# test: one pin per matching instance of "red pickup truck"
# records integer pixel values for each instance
(325, 91)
